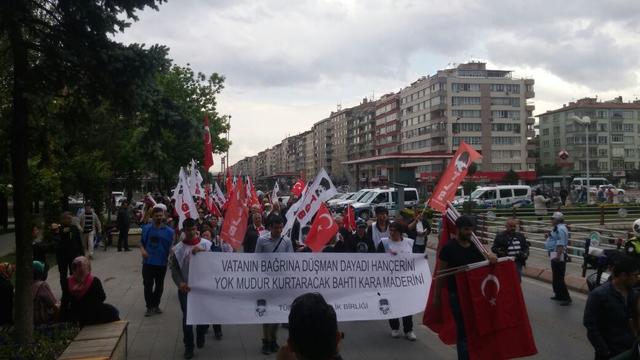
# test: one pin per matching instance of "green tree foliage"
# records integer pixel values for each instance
(511, 177)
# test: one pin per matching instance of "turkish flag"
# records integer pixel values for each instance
(323, 228)
(445, 190)
(495, 315)
(210, 201)
(236, 218)
(298, 187)
(439, 318)
(350, 221)
(208, 146)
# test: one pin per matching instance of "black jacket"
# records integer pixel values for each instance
(123, 220)
(90, 309)
(6, 301)
(607, 317)
(68, 244)
(362, 244)
(250, 240)
(503, 240)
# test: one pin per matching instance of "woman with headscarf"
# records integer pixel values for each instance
(83, 297)
(6, 293)
(45, 304)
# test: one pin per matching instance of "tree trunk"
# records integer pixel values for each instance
(21, 183)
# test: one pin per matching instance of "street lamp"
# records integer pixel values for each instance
(585, 121)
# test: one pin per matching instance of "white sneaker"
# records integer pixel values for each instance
(410, 336)
(395, 334)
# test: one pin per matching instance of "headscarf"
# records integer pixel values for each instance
(81, 278)
(7, 270)
(38, 270)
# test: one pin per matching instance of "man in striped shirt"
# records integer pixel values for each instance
(512, 243)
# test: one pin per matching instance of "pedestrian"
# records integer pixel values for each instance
(380, 228)
(396, 244)
(83, 297)
(458, 252)
(361, 242)
(556, 245)
(272, 242)
(512, 243)
(68, 243)
(46, 307)
(123, 221)
(540, 205)
(6, 293)
(217, 329)
(610, 196)
(422, 229)
(610, 311)
(90, 225)
(342, 243)
(254, 231)
(313, 330)
(563, 196)
(179, 259)
(155, 245)
(601, 195)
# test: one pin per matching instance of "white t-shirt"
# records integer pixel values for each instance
(399, 247)
(183, 254)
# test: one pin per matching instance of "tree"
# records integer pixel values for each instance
(511, 177)
(56, 47)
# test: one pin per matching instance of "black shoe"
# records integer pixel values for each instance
(200, 341)
(566, 302)
(149, 312)
(127, 249)
(265, 347)
(274, 347)
(555, 298)
(119, 250)
(188, 353)
(218, 335)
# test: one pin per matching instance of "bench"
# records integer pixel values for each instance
(99, 342)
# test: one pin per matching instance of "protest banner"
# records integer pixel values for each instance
(239, 288)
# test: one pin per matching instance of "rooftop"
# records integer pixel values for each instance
(593, 103)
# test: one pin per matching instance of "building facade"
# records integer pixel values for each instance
(614, 137)
(487, 109)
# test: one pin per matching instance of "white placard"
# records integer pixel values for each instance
(239, 288)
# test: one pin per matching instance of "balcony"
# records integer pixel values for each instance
(529, 94)
(438, 107)
(530, 133)
(531, 160)
(530, 121)
(530, 107)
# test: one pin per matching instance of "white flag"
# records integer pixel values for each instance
(274, 194)
(195, 180)
(185, 206)
(218, 196)
(303, 210)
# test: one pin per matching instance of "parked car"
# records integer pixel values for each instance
(616, 190)
(504, 195)
(338, 198)
(387, 197)
(341, 205)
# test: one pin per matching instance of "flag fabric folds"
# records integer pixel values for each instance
(322, 230)
(236, 218)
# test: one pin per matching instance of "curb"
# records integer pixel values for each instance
(574, 283)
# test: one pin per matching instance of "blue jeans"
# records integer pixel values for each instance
(187, 330)
(461, 336)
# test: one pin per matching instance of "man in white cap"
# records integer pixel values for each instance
(556, 245)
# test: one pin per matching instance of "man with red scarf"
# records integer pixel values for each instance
(179, 262)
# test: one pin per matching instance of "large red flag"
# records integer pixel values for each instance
(495, 315)
(298, 187)
(236, 218)
(445, 191)
(322, 230)
(208, 146)
(439, 318)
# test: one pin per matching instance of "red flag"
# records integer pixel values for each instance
(210, 201)
(322, 230)
(445, 191)
(236, 218)
(228, 183)
(208, 146)
(439, 318)
(298, 187)
(495, 315)
(350, 220)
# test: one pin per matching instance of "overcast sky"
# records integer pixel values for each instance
(288, 63)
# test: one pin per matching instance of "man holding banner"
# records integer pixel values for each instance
(272, 242)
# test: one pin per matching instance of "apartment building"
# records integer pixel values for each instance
(614, 137)
(323, 145)
(309, 155)
(485, 108)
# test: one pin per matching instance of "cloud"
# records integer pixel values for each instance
(288, 63)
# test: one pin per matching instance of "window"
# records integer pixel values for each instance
(520, 192)
(617, 152)
(505, 193)
(464, 100)
(505, 114)
(617, 138)
(602, 140)
(466, 113)
(466, 127)
(471, 140)
(503, 140)
(617, 164)
(556, 142)
(627, 127)
(505, 154)
(602, 152)
(410, 196)
(488, 195)
(545, 131)
(629, 165)
(616, 126)
(603, 165)
(629, 153)
(515, 128)
(465, 87)
(506, 101)
(602, 127)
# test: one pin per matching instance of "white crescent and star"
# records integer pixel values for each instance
(330, 222)
(486, 280)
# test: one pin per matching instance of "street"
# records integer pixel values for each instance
(558, 330)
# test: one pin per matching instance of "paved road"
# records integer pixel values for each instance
(558, 330)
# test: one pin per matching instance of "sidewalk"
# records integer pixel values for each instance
(160, 336)
(7, 243)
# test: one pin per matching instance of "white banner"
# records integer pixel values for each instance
(239, 288)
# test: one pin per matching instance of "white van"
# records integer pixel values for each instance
(387, 197)
(342, 204)
(593, 182)
(505, 195)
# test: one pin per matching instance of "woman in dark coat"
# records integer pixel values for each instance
(83, 297)
(6, 293)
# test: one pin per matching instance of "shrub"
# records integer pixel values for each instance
(49, 343)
